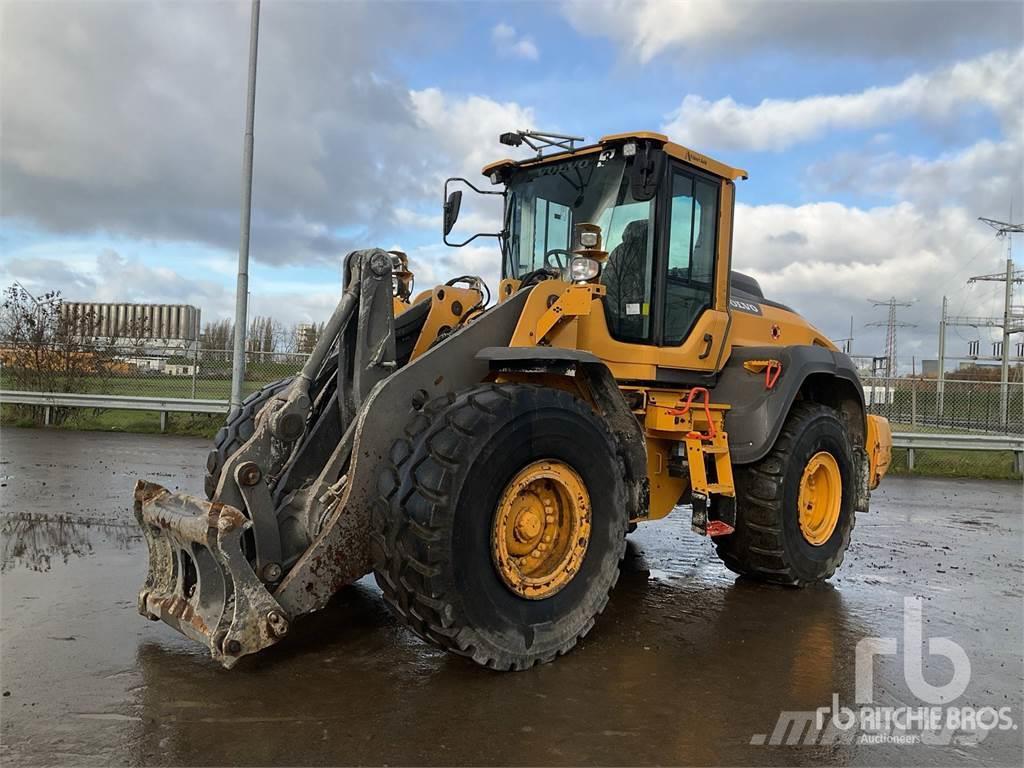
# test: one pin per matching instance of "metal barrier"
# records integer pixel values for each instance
(162, 405)
(914, 441)
(909, 441)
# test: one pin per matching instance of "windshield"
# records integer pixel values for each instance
(547, 201)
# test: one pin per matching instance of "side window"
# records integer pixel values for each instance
(693, 233)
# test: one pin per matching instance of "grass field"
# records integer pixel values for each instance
(195, 424)
(161, 386)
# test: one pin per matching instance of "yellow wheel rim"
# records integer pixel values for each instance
(821, 495)
(541, 529)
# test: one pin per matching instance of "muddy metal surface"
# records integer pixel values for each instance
(687, 666)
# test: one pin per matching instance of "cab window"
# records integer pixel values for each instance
(693, 221)
(628, 273)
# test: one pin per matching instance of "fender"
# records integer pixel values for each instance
(757, 413)
(599, 387)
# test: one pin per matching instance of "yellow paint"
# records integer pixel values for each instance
(541, 529)
(666, 491)
(449, 306)
(820, 498)
(879, 448)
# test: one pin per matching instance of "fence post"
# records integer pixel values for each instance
(195, 369)
(163, 421)
(46, 416)
(910, 459)
(913, 402)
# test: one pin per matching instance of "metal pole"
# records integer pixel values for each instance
(1004, 390)
(941, 393)
(242, 288)
(196, 332)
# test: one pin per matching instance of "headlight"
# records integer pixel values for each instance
(582, 269)
(589, 239)
(628, 150)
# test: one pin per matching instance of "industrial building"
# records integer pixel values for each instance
(160, 330)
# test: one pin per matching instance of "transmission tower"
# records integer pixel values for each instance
(1013, 319)
(889, 367)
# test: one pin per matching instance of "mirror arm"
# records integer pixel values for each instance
(499, 235)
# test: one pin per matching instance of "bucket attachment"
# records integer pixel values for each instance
(199, 580)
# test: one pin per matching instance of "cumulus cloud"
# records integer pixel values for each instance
(983, 177)
(827, 259)
(128, 119)
(992, 81)
(510, 44)
(644, 29)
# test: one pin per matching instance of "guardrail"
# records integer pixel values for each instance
(162, 405)
(913, 441)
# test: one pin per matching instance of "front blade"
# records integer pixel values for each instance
(199, 580)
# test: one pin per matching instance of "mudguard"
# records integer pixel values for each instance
(757, 412)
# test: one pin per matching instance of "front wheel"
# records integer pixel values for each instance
(501, 524)
(795, 512)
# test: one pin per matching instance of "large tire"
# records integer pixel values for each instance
(768, 542)
(431, 540)
(236, 430)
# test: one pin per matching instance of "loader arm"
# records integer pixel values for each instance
(289, 523)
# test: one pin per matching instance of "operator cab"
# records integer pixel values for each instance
(662, 217)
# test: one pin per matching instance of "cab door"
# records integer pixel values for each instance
(693, 323)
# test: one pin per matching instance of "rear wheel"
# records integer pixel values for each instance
(501, 524)
(795, 507)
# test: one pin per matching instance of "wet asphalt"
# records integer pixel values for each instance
(686, 667)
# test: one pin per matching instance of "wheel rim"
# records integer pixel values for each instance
(541, 529)
(821, 494)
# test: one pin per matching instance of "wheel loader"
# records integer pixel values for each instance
(485, 457)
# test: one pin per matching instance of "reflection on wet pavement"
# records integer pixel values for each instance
(685, 666)
(36, 541)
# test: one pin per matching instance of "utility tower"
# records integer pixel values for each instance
(1011, 322)
(1013, 319)
(889, 367)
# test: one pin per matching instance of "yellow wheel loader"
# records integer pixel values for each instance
(486, 458)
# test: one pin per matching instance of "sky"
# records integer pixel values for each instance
(875, 134)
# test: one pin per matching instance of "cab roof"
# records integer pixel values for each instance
(678, 151)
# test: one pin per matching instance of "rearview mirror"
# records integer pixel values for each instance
(451, 210)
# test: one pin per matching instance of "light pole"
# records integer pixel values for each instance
(242, 287)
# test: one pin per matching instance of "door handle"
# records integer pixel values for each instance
(708, 341)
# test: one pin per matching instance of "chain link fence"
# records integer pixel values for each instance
(922, 405)
(170, 372)
(154, 372)
(912, 404)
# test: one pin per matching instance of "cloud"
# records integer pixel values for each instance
(827, 259)
(644, 29)
(464, 130)
(508, 44)
(128, 120)
(983, 177)
(992, 81)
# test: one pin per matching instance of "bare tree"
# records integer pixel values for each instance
(47, 349)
